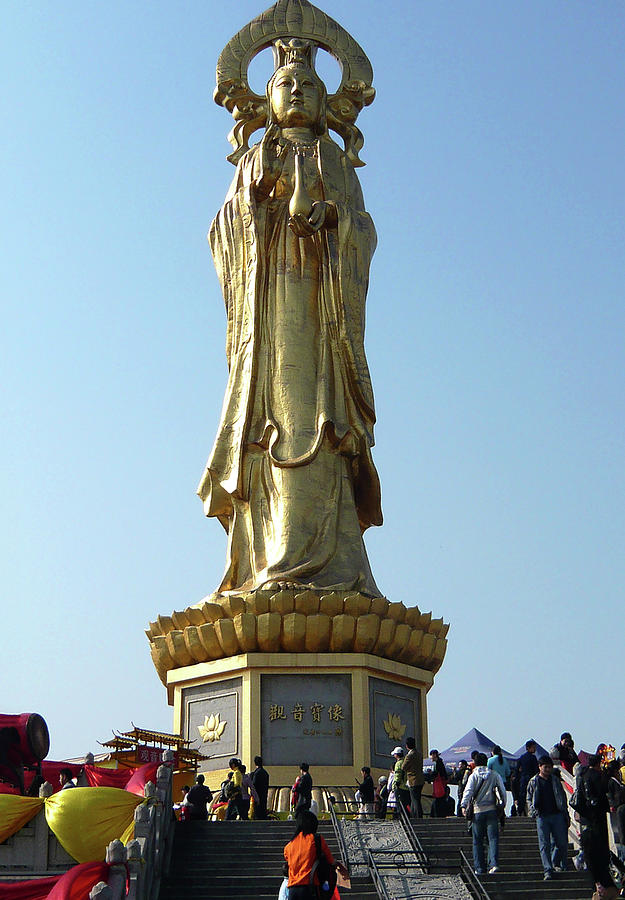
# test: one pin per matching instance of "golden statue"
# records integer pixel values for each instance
(290, 475)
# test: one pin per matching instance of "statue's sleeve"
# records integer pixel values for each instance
(234, 239)
(357, 241)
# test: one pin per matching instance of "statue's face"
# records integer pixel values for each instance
(295, 97)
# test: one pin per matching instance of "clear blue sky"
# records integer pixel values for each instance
(495, 337)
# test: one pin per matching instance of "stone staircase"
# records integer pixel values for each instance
(520, 873)
(226, 860)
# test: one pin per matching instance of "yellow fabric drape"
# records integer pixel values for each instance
(85, 820)
(15, 812)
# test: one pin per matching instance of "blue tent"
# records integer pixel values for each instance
(540, 751)
(462, 748)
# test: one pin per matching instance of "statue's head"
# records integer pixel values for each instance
(295, 29)
(295, 93)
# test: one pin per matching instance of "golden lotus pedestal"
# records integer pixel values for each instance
(336, 680)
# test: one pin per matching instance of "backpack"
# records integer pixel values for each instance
(326, 874)
(580, 801)
(231, 790)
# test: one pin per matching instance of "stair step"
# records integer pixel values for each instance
(520, 876)
(222, 860)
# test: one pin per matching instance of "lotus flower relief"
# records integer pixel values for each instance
(212, 729)
(394, 728)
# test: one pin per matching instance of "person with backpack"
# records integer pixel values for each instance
(547, 803)
(484, 793)
(310, 862)
(594, 833)
(234, 792)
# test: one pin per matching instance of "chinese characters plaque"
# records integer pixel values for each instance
(306, 718)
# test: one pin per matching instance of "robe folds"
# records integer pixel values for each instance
(290, 475)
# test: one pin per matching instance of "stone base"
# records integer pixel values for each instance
(336, 711)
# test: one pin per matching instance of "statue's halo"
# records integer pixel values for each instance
(293, 19)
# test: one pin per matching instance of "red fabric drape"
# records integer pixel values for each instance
(97, 776)
(37, 889)
(133, 780)
(141, 777)
(75, 884)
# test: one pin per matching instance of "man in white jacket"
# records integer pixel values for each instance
(486, 789)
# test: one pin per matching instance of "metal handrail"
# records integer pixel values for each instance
(347, 804)
(398, 862)
(413, 838)
(377, 880)
(338, 831)
(474, 882)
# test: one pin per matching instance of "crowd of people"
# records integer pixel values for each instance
(487, 786)
(236, 794)
(537, 790)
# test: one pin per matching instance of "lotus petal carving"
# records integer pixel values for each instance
(292, 621)
(394, 728)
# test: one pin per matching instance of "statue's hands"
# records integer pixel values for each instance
(272, 155)
(323, 214)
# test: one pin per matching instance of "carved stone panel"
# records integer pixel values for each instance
(394, 711)
(306, 718)
(211, 720)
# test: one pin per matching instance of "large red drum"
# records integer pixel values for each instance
(26, 737)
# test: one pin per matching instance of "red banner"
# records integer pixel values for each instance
(133, 780)
(97, 776)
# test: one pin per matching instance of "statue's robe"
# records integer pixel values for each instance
(290, 475)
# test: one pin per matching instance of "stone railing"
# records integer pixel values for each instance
(136, 869)
(140, 865)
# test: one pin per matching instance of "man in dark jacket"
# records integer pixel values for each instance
(563, 753)
(197, 799)
(440, 772)
(304, 788)
(527, 767)
(367, 793)
(548, 804)
(260, 780)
